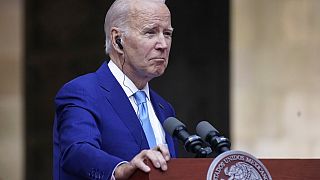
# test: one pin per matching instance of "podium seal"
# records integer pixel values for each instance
(237, 165)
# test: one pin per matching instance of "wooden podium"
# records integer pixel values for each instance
(196, 169)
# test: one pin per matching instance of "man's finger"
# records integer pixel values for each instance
(138, 161)
(142, 166)
(163, 148)
(157, 159)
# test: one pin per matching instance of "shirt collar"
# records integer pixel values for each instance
(126, 84)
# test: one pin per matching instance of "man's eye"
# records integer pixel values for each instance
(168, 34)
(150, 32)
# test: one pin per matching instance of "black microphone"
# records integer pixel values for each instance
(212, 136)
(192, 143)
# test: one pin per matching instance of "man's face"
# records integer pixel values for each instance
(148, 42)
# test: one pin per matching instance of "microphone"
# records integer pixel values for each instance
(192, 143)
(212, 136)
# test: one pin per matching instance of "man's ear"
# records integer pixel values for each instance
(116, 40)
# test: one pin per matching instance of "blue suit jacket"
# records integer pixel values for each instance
(96, 127)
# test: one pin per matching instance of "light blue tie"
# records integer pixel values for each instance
(143, 115)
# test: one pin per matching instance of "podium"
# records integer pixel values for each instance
(196, 169)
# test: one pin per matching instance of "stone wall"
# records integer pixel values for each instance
(276, 77)
(11, 100)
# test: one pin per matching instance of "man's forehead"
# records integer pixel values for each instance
(141, 22)
(149, 16)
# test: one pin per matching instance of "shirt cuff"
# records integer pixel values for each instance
(112, 176)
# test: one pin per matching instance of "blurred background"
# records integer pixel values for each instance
(254, 66)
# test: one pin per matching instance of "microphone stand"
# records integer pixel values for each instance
(194, 144)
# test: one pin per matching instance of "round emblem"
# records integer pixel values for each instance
(237, 165)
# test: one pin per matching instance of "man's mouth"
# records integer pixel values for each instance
(158, 59)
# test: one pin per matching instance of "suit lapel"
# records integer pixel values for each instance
(121, 104)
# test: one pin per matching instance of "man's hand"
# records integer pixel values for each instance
(158, 156)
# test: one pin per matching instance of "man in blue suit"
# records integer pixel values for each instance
(99, 131)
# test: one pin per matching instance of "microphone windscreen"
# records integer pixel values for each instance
(204, 128)
(171, 123)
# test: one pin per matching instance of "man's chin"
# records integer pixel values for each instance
(158, 72)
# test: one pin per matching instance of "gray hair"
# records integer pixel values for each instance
(117, 16)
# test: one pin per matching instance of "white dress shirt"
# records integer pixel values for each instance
(129, 88)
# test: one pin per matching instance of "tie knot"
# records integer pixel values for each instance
(140, 97)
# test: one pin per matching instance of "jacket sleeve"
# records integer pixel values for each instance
(78, 135)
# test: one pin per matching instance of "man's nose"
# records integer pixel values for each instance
(162, 42)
